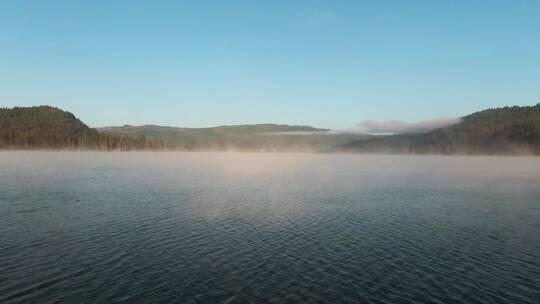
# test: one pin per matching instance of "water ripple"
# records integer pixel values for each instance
(170, 228)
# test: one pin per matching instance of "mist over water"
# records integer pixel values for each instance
(91, 227)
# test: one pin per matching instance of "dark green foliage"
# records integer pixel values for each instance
(509, 130)
(47, 127)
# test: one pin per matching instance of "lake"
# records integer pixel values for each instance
(112, 227)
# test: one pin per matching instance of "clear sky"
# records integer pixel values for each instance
(323, 63)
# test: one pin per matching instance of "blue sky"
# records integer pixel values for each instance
(323, 63)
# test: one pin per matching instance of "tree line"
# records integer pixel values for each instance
(47, 127)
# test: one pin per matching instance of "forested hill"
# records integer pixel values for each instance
(45, 127)
(509, 130)
(256, 137)
(232, 129)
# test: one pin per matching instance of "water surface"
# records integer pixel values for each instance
(84, 227)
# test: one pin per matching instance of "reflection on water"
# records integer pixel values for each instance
(283, 228)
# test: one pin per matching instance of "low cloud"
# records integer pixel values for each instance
(400, 127)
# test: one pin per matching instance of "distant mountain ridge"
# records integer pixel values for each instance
(261, 137)
(225, 129)
(508, 130)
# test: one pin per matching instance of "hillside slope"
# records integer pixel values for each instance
(508, 130)
(45, 127)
